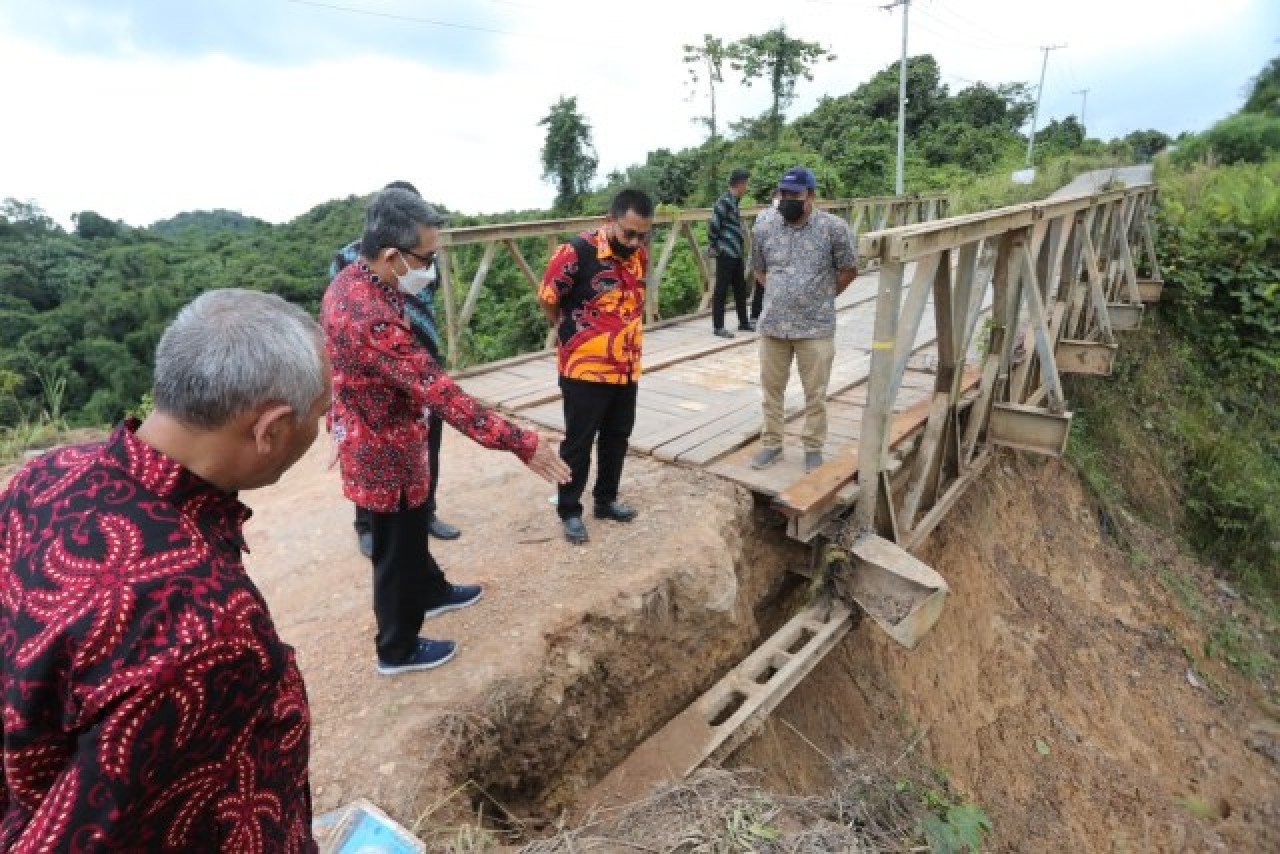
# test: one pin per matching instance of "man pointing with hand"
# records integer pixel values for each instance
(383, 377)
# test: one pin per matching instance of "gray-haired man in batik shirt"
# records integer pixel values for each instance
(805, 257)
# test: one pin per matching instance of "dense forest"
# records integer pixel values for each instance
(81, 310)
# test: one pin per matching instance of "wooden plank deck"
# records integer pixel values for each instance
(699, 398)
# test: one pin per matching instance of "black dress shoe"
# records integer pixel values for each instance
(750, 327)
(574, 531)
(615, 510)
(442, 530)
(365, 538)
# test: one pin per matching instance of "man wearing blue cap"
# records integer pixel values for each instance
(805, 258)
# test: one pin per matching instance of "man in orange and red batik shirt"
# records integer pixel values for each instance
(593, 293)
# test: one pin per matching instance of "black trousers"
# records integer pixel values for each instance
(406, 580)
(729, 273)
(435, 434)
(601, 414)
(757, 298)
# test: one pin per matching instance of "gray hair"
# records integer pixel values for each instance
(231, 350)
(393, 219)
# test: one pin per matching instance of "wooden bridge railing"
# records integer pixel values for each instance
(541, 237)
(1064, 281)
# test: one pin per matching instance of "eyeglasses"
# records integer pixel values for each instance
(427, 260)
(632, 234)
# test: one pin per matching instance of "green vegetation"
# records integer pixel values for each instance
(1186, 434)
(949, 827)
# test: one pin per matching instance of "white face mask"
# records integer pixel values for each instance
(414, 281)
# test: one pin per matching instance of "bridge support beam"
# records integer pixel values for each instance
(1124, 317)
(1028, 428)
(733, 710)
(1086, 357)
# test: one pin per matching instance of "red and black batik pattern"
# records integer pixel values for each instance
(148, 703)
(383, 378)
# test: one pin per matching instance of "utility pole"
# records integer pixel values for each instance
(1031, 141)
(1084, 99)
(902, 94)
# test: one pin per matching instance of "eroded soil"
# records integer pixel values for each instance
(1056, 691)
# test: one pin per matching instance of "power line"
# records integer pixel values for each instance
(977, 32)
(409, 18)
(1071, 70)
(951, 37)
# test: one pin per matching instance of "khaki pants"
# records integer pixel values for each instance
(813, 358)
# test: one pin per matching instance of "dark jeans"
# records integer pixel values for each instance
(435, 434)
(406, 580)
(729, 273)
(601, 414)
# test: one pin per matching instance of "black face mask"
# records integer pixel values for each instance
(621, 249)
(791, 209)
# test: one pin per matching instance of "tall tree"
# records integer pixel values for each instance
(1147, 143)
(781, 60)
(706, 61)
(1264, 91)
(568, 156)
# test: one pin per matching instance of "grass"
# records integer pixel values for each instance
(1153, 442)
(873, 806)
(29, 435)
(35, 431)
(998, 190)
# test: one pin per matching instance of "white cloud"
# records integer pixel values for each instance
(143, 137)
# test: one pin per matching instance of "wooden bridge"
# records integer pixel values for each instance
(950, 346)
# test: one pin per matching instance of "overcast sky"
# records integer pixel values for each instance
(140, 109)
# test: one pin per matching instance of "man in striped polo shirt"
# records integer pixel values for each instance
(724, 234)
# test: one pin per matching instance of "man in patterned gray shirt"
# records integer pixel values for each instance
(805, 257)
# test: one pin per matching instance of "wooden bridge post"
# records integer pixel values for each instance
(875, 422)
(991, 364)
(855, 224)
(525, 269)
(1093, 266)
(1148, 237)
(477, 284)
(444, 269)
(930, 455)
(700, 264)
(653, 293)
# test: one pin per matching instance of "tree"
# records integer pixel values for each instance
(780, 59)
(1264, 94)
(90, 224)
(878, 97)
(1060, 137)
(568, 157)
(1147, 144)
(707, 61)
(1007, 106)
(27, 216)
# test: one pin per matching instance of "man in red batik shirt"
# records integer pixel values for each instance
(383, 378)
(148, 704)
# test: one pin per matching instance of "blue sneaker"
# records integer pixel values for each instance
(460, 596)
(429, 654)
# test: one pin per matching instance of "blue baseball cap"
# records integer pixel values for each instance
(798, 179)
